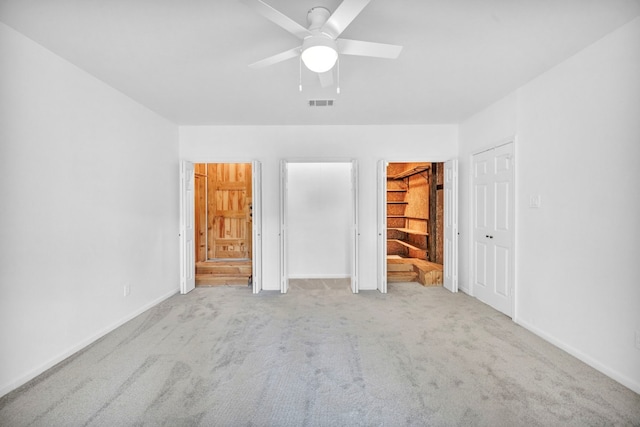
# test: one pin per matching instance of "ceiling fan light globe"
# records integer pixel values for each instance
(319, 59)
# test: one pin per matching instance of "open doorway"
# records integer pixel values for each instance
(415, 223)
(223, 223)
(319, 232)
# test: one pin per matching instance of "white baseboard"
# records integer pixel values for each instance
(320, 276)
(608, 371)
(6, 388)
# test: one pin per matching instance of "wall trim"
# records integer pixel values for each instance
(13, 385)
(597, 365)
(320, 276)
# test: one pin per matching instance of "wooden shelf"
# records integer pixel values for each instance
(397, 202)
(408, 217)
(409, 172)
(403, 243)
(410, 231)
(396, 190)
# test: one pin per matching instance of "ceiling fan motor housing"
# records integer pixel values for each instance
(317, 16)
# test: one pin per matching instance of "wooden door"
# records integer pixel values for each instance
(493, 227)
(201, 211)
(229, 218)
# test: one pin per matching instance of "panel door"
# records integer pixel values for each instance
(256, 214)
(503, 232)
(451, 225)
(482, 211)
(187, 228)
(284, 272)
(354, 227)
(382, 226)
(229, 201)
(493, 227)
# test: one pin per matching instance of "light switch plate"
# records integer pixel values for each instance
(534, 201)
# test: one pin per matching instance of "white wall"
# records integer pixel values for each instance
(578, 147)
(270, 144)
(496, 124)
(319, 220)
(89, 203)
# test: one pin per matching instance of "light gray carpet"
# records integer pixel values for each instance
(321, 356)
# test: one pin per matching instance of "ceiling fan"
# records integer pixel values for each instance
(320, 43)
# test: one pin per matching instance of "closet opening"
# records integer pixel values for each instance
(319, 225)
(223, 224)
(415, 222)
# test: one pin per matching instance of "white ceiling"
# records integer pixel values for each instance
(187, 59)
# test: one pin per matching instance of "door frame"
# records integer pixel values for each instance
(355, 233)
(256, 228)
(470, 249)
(382, 209)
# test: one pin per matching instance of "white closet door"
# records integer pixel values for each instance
(382, 226)
(451, 225)
(187, 228)
(284, 273)
(355, 229)
(493, 227)
(256, 212)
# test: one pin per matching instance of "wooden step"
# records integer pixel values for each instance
(402, 276)
(399, 267)
(213, 280)
(224, 270)
(427, 273)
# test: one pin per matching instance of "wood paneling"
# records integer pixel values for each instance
(439, 236)
(200, 214)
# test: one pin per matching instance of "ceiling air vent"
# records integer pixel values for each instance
(321, 103)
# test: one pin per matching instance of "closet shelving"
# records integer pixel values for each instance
(407, 235)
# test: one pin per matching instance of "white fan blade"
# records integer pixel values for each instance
(376, 50)
(283, 56)
(278, 18)
(326, 79)
(343, 15)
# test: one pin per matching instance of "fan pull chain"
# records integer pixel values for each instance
(338, 78)
(300, 73)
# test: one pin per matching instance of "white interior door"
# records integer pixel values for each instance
(493, 227)
(355, 230)
(284, 274)
(187, 228)
(256, 212)
(382, 226)
(451, 225)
